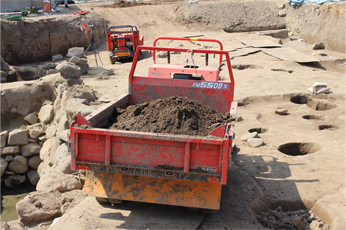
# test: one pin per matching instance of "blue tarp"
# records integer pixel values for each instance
(301, 2)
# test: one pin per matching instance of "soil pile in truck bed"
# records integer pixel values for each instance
(173, 115)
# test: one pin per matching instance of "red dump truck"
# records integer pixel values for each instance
(123, 165)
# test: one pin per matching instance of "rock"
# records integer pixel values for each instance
(69, 70)
(61, 152)
(60, 182)
(75, 51)
(161, 54)
(9, 172)
(42, 73)
(255, 142)
(30, 149)
(27, 73)
(39, 205)
(81, 62)
(3, 165)
(46, 114)
(33, 177)
(3, 137)
(19, 164)
(247, 136)
(52, 71)
(57, 57)
(296, 223)
(49, 65)
(281, 111)
(48, 149)
(14, 180)
(4, 65)
(34, 162)
(73, 108)
(239, 118)
(281, 6)
(64, 135)
(60, 89)
(63, 124)
(13, 225)
(10, 150)
(9, 158)
(78, 101)
(44, 168)
(43, 138)
(36, 130)
(87, 110)
(77, 60)
(318, 46)
(18, 137)
(63, 165)
(32, 140)
(51, 131)
(83, 92)
(107, 73)
(282, 13)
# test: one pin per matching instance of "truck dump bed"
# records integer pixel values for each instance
(151, 167)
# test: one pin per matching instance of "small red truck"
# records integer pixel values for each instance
(122, 41)
(123, 165)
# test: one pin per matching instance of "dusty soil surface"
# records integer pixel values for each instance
(172, 115)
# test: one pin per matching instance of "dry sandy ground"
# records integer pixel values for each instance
(259, 177)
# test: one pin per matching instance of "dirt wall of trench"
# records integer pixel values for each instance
(319, 23)
(40, 39)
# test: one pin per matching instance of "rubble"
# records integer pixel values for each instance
(297, 219)
(40, 205)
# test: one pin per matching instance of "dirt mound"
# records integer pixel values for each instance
(229, 16)
(173, 115)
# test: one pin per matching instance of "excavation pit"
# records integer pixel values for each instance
(313, 117)
(299, 149)
(329, 127)
(299, 99)
(258, 130)
(320, 105)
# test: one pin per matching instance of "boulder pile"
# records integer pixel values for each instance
(39, 150)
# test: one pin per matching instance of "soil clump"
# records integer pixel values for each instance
(172, 115)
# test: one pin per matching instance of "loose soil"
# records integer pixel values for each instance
(172, 115)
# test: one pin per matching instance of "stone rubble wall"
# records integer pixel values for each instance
(39, 151)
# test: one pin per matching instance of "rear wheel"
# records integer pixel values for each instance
(102, 200)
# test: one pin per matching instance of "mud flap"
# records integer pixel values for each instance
(194, 194)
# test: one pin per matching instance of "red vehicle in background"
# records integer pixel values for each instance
(123, 41)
